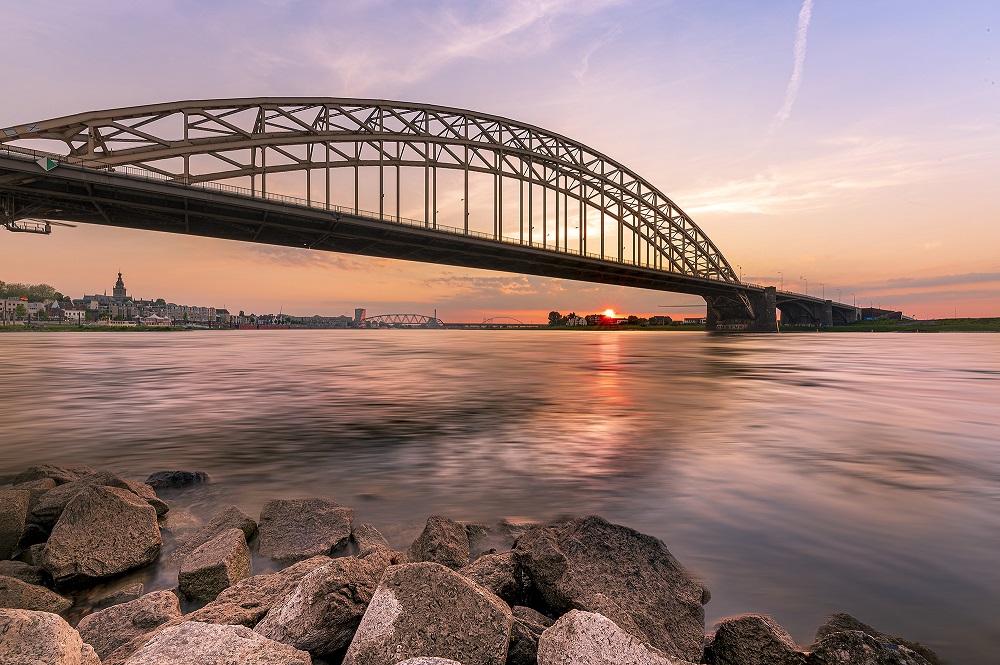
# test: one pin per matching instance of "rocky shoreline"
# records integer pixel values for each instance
(572, 592)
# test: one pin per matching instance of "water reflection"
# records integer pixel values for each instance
(798, 474)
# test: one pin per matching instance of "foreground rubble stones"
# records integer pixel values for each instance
(426, 609)
(41, 638)
(572, 562)
(583, 638)
(296, 529)
(754, 639)
(230, 517)
(442, 541)
(211, 644)
(117, 625)
(102, 532)
(214, 566)
(13, 512)
(18, 594)
(842, 622)
(176, 479)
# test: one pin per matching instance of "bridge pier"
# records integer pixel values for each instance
(742, 311)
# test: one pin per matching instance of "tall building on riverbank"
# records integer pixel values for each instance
(119, 290)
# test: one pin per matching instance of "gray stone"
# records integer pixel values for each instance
(754, 639)
(176, 479)
(429, 660)
(585, 638)
(123, 594)
(32, 555)
(527, 629)
(117, 625)
(366, 539)
(855, 647)
(41, 638)
(573, 562)
(841, 622)
(60, 474)
(18, 594)
(216, 565)
(213, 644)
(295, 529)
(102, 532)
(51, 504)
(501, 574)
(230, 517)
(35, 489)
(244, 604)
(22, 571)
(13, 511)
(422, 609)
(442, 541)
(323, 611)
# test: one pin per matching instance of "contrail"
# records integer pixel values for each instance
(805, 14)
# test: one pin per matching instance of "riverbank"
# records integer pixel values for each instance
(145, 581)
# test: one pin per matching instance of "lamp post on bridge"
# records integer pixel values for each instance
(741, 272)
(823, 286)
(838, 295)
(807, 283)
(781, 282)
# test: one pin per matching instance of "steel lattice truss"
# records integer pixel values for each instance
(618, 215)
(402, 320)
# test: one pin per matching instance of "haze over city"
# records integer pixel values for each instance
(846, 148)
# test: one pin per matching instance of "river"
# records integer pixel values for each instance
(797, 474)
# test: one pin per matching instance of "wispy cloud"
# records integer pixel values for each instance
(600, 43)
(464, 286)
(801, 35)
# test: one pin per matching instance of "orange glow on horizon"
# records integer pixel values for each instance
(610, 313)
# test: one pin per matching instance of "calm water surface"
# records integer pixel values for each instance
(797, 474)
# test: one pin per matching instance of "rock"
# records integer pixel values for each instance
(295, 529)
(854, 647)
(41, 638)
(212, 644)
(102, 532)
(527, 629)
(442, 541)
(51, 504)
(229, 517)
(110, 628)
(841, 621)
(216, 565)
(32, 555)
(18, 594)
(176, 479)
(323, 611)
(429, 660)
(244, 604)
(571, 563)
(754, 639)
(501, 574)
(366, 539)
(35, 489)
(121, 595)
(425, 608)
(22, 571)
(59, 474)
(584, 638)
(13, 511)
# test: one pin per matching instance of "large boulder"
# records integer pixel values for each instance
(213, 644)
(60, 474)
(573, 562)
(230, 517)
(102, 532)
(13, 511)
(51, 504)
(442, 541)
(296, 529)
(176, 479)
(500, 573)
(117, 625)
(18, 594)
(243, 604)
(754, 639)
(366, 539)
(854, 647)
(22, 571)
(840, 622)
(585, 638)
(528, 627)
(121, 594)
(429, 660)
(41, 638)
(216, 565)
(323, 611)
(426, 609)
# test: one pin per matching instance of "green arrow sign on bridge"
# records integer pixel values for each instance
(47, 163)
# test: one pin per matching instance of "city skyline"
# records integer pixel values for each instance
(805, 141)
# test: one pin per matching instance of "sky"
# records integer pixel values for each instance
(842, 147)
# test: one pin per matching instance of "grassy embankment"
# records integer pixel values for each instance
(884, 325)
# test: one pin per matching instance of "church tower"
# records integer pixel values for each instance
(119, 291)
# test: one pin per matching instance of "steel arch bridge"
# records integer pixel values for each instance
(279, 171)
(408, 320)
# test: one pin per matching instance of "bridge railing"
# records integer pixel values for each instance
(146, 174)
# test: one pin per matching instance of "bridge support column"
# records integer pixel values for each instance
(743, 311)
(826, 313)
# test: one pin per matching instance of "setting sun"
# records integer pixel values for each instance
(609, 312)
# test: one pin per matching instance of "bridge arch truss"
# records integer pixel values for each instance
(403, 320)
(548, 191)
